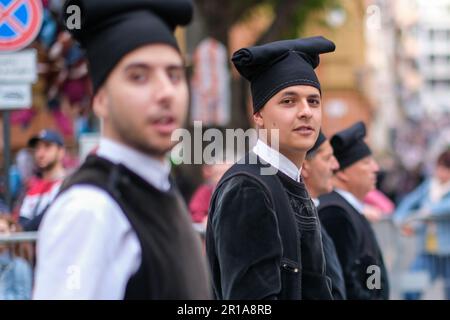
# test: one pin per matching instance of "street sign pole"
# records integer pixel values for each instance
(21, 21)
(7, 156)
(17, 72)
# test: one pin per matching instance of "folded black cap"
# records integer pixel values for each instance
(112, 28)
(349, 146)
(281, 64)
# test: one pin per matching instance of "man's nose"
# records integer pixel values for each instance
(375, 166)
(165, 89)
(334, 163)
(304, 109)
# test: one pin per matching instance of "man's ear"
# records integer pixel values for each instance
(341, 175)
(305, 169)
(258, 118)
(100, 103)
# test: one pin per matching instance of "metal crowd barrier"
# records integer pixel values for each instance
(398, 252)
(18, 237)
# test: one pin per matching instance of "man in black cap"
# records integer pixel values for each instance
(119, 228)
(48, 152)
(341, 213)
(263, 236)
(318, 170)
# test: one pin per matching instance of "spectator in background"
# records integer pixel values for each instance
(199, 204)
(48, 151)
(426, 212)
(15, 272)
(377, 206)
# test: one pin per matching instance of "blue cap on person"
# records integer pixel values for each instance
(47, 135)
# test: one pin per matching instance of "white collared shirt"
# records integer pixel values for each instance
(87, 248)
(153, 171)
(277, 160)
(354, 202)
(316, 202)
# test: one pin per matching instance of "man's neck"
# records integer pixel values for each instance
(310, 189)
(350, 190)
(54, 174)
(277, 160)
(162, 158)
(295, 157)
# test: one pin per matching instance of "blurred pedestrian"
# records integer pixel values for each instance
(426, 213)
(199, 203)
(15, 272)
(119, 228)
(48, 151)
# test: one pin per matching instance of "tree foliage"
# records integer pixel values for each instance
(289, 16)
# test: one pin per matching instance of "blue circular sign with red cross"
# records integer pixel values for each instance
(20, 22)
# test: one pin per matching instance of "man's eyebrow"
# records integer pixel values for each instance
(176, 67)
(137, 65)
(289, 93)
(142, 65)
(295, 94)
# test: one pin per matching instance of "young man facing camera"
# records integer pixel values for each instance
(263, 235)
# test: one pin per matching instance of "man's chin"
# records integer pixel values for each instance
(42, 168)
(157, 150)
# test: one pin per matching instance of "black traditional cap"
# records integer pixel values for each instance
(112, 28)
(320, 139)
(281, 64)
(349, 145)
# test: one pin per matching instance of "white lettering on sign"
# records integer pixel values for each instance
(18, 67)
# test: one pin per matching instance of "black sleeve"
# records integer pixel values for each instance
(345, 239)
(246, 240)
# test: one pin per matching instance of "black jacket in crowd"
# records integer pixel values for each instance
(356, 247)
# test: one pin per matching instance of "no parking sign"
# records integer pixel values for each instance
(20, 22)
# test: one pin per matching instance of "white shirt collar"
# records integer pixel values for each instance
(277, 160)
(149, 168)
(354, 202)
(316, 202)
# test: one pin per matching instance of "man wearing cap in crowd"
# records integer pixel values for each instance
(119, 229)
(341, 213)
(318, 170)
(263, 235)
(48, 152)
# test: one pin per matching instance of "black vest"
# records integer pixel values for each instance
(172, 264)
